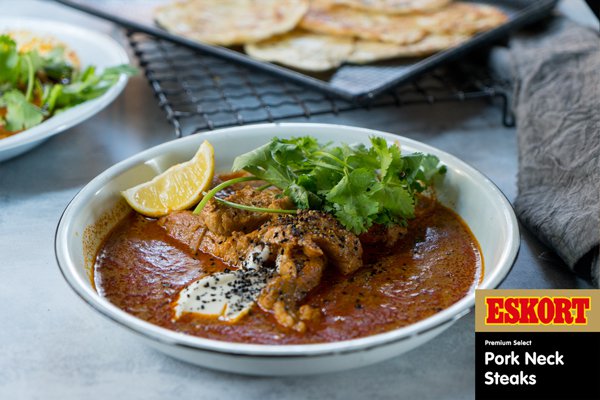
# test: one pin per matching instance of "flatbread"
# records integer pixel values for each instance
(366, 51)
(394, 6)
(318, 52)
(456, 18)
(459, 17)
(303, 50)
(324, 18)
(230, 22)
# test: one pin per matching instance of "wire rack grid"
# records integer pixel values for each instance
(200, 92)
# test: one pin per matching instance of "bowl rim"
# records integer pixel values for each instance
(169, 337)
(81, 112)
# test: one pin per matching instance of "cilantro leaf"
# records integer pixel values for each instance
(429, 167)
(9, 61)
(262, 164)
(395, 199)
(350, 201)
(254, 160)
(88, 85)
(383, 154)
(35, 86)
(20, 114)
(359, 185)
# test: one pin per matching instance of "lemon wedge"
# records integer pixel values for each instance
(178, 188)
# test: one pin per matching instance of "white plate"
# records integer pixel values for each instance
(92, 48)
(468, 192)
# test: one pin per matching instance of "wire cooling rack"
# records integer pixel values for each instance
(199, 92)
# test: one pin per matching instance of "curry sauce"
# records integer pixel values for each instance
(141, 269)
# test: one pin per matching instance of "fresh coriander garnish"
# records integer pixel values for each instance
(360, 185)
(34, 87)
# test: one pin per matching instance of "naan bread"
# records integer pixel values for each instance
(230, 22)
(366, 51)
(394, 6)
(317, 52)
(303, 50)
(458, 17)
(324, 18)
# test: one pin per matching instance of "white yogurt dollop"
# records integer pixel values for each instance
(226, 295)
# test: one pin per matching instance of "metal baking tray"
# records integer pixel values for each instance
(356, 83)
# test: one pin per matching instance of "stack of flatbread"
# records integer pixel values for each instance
(318, 35)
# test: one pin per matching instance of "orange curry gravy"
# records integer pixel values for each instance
(141, 269)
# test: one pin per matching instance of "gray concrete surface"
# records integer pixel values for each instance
(53, 346)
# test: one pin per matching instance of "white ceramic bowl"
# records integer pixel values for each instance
(92, 48)
(468, 192)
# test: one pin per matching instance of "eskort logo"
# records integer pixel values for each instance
(537, 310)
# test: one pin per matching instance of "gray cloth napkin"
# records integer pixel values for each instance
(556, 73)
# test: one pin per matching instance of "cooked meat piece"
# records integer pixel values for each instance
(300, 246)
(307, 242)
(382, 235)
(298, 274)
(223, 220)
(185, 227)
(316, 233)
(295, 320)
(232, 249)
(308, 313)
(190, 229)
(425, 204)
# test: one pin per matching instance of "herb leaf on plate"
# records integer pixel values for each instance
(20, 113)
(360, 185)
(35, 86)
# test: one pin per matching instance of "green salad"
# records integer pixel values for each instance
(43, 80)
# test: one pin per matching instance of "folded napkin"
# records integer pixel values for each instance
(556, 73)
